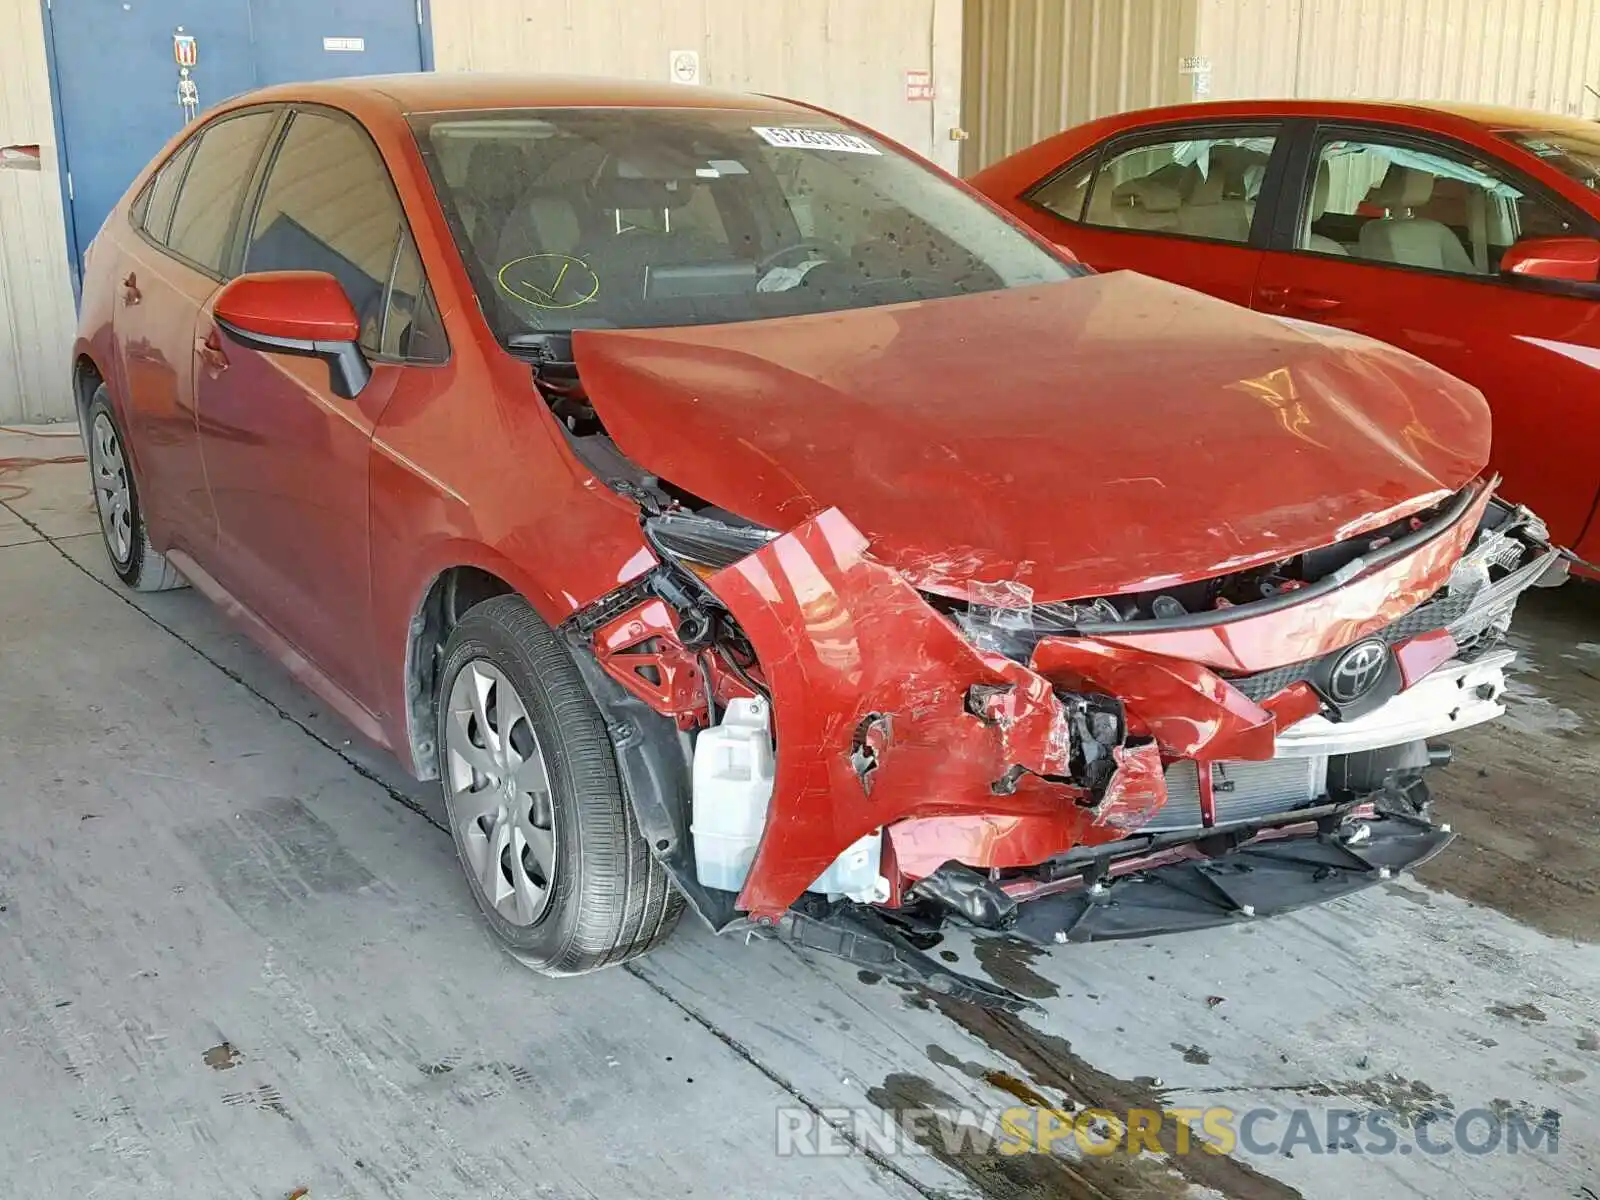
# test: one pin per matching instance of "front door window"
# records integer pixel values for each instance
(1396, 203)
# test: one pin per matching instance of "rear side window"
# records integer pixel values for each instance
(213, 186)
(163, 192)
(1198, 184)
(1065, 192)
(329, 205)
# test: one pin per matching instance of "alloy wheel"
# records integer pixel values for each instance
(497, 789)
(113, 497)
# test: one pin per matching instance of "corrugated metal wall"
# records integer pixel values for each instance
(1540, 54)
(849, 55)
(36, 313)
(1034, 67)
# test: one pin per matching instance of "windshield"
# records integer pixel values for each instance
(1577, 155)
(579, 218)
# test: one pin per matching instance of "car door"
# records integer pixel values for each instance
(1399, 236)
(286, 457)
(1188, 203)
(184, 219)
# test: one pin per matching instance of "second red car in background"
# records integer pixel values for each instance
(1468, 236)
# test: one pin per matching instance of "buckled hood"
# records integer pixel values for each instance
(1104, 434)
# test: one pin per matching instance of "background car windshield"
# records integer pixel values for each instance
(610, 219)
(1568, 153)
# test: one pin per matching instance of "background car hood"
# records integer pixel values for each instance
(1100, 435)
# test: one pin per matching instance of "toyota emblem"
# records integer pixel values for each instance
(1357, 670)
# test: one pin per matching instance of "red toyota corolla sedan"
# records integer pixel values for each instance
(724, 504)
(1468, 236)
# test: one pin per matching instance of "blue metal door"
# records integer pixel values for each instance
(328, 39)
(117, 80)
(117, 72)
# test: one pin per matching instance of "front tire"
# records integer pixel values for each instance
(116, 500)
(548, 841)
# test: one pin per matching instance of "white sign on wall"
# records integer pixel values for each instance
(1199, 71)
(684, 66)
(349, 45)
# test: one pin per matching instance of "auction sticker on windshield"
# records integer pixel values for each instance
(814, 139)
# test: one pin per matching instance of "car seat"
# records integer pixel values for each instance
(1319, 205)
(1409, 240)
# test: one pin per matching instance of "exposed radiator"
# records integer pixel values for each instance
(1243, 790)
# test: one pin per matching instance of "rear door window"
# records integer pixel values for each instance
(163, 194)
(1192, 183)
(213, 186)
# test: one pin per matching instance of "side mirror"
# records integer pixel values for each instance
(1574, 258)
(297, 312)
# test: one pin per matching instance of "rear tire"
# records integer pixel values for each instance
(116, 500)
(548, 841)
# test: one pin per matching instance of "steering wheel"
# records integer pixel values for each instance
(801, 248)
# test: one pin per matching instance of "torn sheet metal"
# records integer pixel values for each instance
(850, 649)
(922, 845)
(1137, 789)
(1190, 711)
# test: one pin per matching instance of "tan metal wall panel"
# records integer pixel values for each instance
(1536, 54)
(847, 55)
(1034, 67)
(36, 312)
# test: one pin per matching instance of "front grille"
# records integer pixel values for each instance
(1469, 606)
(1243, 790)
(1436, 614)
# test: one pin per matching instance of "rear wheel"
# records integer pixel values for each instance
(547, 840)
(116, 500)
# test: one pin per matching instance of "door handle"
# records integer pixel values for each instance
(210, 350)
(131, 294)
(1297, 299)
(1311, 302)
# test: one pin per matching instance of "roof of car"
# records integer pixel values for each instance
(1485, 115)
(1497, 117)
(446, 91)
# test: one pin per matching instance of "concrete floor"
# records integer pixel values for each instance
(237, 959)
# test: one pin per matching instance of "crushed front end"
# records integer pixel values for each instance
(819, 750)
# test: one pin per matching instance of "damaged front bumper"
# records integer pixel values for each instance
(1153, 886)
(1108, 779)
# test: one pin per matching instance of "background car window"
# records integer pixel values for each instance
(1394, 203)
(1194, 186)
(157, 220)
(1573, 154)
(213, 186)
(329, 205)
(1064, 194)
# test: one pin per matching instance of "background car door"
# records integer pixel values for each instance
(174, 265)
(286, 457)
(1178, 202)
(1400, 237)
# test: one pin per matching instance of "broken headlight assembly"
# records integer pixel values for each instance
(704, 545)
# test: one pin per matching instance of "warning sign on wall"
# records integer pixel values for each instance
(919, 85)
